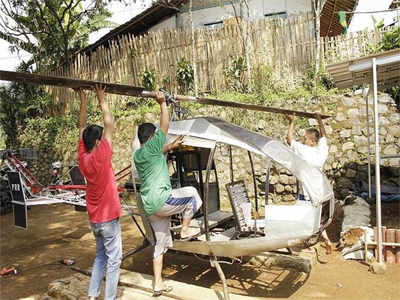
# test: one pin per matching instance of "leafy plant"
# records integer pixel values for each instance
(390, 40)
(51, 30)
(324, 78)
(17, 102)
(378, 25)
(52, 137)
(184, 75)
(265, 83)
(394, 92)
(149, 80)
(235, 75)
(166, 82)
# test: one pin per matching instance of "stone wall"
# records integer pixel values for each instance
(348, 152)
(347, 138)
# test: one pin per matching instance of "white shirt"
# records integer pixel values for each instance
(315, 156)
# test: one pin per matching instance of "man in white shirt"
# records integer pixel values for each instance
(315, 152)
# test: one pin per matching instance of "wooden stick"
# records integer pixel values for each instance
(65, 82)
(128, 90)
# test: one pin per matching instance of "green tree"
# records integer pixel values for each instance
(51, 30)
(18, 102)
(184, 75)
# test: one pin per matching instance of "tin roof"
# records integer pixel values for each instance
(356, 72)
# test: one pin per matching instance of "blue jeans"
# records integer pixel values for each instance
(108, 258)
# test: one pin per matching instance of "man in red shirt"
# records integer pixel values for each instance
(102, 199)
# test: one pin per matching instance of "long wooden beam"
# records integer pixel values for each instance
(129, 90)
(112, 88)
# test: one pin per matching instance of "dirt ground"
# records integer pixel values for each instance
(57, 232)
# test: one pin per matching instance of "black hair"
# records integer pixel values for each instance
(91, 134)
(145, 131)
(314, 133)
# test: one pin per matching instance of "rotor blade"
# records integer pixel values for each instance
(112, 88)
(128, 90)
(272, 109)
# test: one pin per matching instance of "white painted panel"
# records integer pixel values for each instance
(258, 10)
(169, 23)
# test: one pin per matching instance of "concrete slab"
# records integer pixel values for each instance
(181, 290)
(75, 288)
(132, 285)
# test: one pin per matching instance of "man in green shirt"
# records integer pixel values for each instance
(160, 201)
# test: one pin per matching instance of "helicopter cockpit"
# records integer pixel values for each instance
(237, 231)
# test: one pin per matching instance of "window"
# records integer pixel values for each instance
(213, 25)
(282, 15)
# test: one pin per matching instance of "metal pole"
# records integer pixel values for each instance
(254, 181)
(377, 163)
(206, 193)
(231, 163)
(266, 187)
(369, 143)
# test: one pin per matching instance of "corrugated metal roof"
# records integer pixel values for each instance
(329, 18)
(388, 74)
(140, 23)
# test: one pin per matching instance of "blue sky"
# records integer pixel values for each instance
(121, 14)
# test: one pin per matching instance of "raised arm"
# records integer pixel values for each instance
(82, 114)
(164, 117)
(175, 144)
(321, 125)
(289, 138)
(107, 117)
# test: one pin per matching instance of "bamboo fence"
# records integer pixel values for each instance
(288, 46)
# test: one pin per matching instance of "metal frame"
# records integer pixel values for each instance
(213, 261)
(206, 192)
(254, 181)
(364, 66)
(266, 187)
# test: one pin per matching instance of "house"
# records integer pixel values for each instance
(212, 13)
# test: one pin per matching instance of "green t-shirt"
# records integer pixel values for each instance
(155, 184)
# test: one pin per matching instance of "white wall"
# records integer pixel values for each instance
(206, 16)
(169, 23)
(258, 9)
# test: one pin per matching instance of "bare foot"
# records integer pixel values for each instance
(328, 247)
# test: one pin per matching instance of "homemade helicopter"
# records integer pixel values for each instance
(233, 233)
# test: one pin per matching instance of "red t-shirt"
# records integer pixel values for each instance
(102, 199)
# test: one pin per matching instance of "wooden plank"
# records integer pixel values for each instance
(64, 82)
(128, 90)
(271, 109)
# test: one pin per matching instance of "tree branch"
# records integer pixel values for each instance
(28, 47)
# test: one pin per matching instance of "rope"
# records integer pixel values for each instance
(369, 12)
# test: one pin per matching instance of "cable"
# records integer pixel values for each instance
(369, 12)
